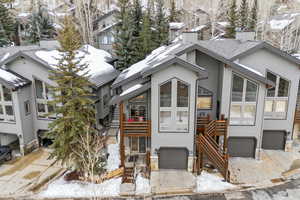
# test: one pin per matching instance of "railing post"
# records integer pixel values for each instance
(122, 150)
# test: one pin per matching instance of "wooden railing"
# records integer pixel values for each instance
(135, 129)
(201, 123)
(297, 116)
(207, 145)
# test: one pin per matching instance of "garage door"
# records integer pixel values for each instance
(241, 147)
(173, 158)
(273, 140)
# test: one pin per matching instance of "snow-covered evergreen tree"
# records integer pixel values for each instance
(253, 16)
(174, 14)
(137, 20)
(161, 25)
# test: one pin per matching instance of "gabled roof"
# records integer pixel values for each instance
(99, 70)
(12, 80)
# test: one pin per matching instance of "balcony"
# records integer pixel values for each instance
(136, 128)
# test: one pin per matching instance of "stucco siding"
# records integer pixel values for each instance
(264, 60)
(171, 139)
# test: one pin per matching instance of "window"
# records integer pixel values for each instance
(277, 97)
(43, 96)
(27, 107)
(204, 103)
(138, 144)
(243, 101)
(174, 106)
(6, 105)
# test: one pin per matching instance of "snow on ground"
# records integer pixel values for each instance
(95, 58)
(142, 185)
(207, 182)
(63, 189)
(113, 160)
(297, 55)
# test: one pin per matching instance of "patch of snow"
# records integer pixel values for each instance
(177, 39)
(11, 78)
(57, 26)
(282, 7)
(23, 14)
(297, 55)
(77, 189)
(249, 68)
(176, 25)
(4, 57)
(223, 23)
(131, 89)
(142, 185)
(113, 160)
(198, 28)
(207, 182)
(280, 24)
(95, 58)
(108, 27)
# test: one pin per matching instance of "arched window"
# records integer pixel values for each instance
(174, 106)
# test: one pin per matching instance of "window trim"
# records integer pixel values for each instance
(276, 98)
(243, 103)
(4, 103)
(174, 108)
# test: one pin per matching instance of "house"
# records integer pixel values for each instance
(223, 97)
(25, 91)
(103, 28)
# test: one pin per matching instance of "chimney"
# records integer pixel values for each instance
(245, 36)
(189, 37)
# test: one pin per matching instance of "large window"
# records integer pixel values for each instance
(6, 105)
(174, 106)
(139, 144)
(277, 97)
(43, 96)
(243, 101)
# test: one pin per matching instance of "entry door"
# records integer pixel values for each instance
(173, 158)
(205, 103)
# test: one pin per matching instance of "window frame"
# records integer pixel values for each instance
(275, 115)
(243, 103)
(44, 101)
(174, 109)
(6, 118)
(138, 144)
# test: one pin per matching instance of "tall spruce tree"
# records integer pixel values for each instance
(173, 12)
(253, 16)
(145, 40)
(123, 44)
(243, 15)
(161, 25)
(137, 19)
(73, 131)
(7, 24)
(232, 19)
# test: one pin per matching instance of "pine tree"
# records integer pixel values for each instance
(243, 15)
(123, 36)
(41, 26)
(173, 12)
(137, 19)
(161, 25)
(7, 22)
(145, 40)
(232, 19)
(253, 16)
(73, 132)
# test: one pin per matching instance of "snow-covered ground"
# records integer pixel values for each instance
(110, 188)
(142, 185)
(207, 182)
(63, 189)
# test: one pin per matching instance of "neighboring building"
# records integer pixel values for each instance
(103, 28)
(24, 90)
(164, 98)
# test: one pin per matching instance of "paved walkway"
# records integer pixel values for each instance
(272, 166)
(25, 174)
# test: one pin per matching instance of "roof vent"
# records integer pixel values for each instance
(245, 36)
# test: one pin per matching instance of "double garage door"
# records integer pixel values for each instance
(172, 158)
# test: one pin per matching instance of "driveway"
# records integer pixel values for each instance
(27, 174)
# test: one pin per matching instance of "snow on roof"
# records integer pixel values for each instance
(108, 27)
(131, 89)
(198, 28)
(11, 78)
(223, 23)
(297, 55)
(249, 68)
(176, 25)
(280, 24)
(6, 55)
(95, 58)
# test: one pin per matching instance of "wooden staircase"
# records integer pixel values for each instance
(128, 176)
(206, 142)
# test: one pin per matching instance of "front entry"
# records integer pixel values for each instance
(173, 158)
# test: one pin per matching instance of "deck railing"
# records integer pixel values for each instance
(297, 116)
(136, 128)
